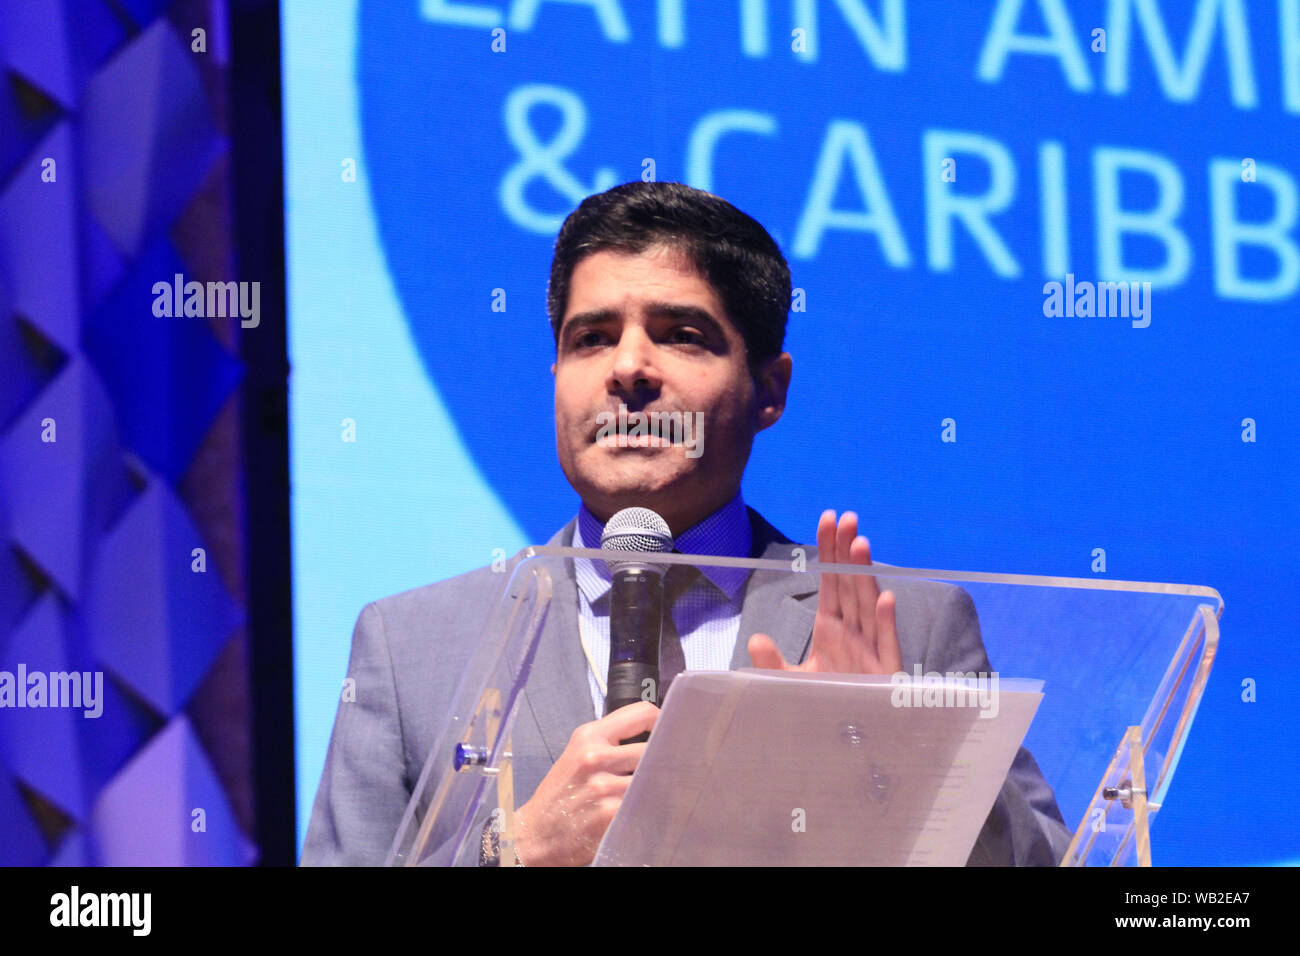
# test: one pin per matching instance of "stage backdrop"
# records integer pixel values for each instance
(927, 167)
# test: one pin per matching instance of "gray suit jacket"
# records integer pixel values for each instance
(408, 652)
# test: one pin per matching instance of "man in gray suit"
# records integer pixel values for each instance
(662, 299)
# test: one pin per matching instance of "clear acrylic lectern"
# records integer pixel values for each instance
(1122, 667)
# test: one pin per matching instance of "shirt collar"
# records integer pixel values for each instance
(726, 532)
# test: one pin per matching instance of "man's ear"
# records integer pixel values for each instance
(552, 370)
(772, 382)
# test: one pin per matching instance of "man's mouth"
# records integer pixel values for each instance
(611, 438)
(615, 440)
(639, 441)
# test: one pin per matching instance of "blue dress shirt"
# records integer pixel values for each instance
(707, 615)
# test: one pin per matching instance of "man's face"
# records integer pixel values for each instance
(648, 332)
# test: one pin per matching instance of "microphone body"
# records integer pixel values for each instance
(635, 626)
(635, 608)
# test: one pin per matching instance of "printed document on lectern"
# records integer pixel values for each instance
(754, 767)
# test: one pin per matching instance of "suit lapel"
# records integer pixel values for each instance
(560, 698)
(776, 602)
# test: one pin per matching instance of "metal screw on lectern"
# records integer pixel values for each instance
(851, 735)
(1123, 793)
(468, 755)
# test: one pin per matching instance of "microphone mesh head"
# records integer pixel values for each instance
(636, 529)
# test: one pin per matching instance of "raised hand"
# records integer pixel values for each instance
(855, 631)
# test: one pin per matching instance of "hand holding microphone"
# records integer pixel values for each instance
(564, 821)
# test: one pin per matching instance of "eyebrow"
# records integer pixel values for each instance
(670, 310)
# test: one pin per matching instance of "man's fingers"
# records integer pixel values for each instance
(867, 592)
(622, 759)
(855, 630)
(827, 598)
(765, 654)
(627, 721)
(888, 651)
(613, 784)
(847, 583)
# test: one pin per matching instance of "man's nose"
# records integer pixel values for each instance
(634, 368)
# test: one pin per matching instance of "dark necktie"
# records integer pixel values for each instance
(672, 661)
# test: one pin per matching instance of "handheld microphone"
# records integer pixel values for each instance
(635, 608)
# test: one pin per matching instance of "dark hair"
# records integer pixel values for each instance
(732, 251)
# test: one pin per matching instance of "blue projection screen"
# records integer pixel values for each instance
(962, 189)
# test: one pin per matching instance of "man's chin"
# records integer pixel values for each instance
(626, 484)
